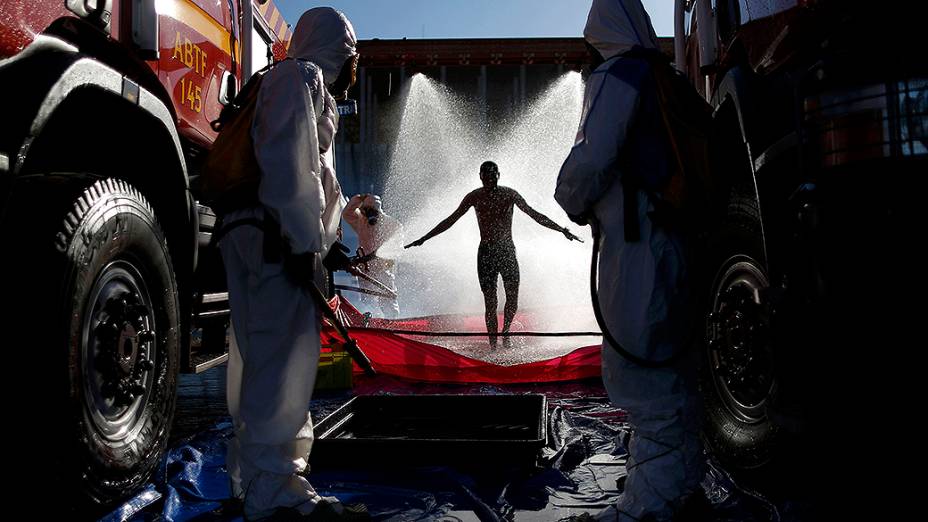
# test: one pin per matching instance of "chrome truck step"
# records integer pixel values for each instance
(209, 343)
(200, 362)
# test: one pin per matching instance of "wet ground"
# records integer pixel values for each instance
(201, 403)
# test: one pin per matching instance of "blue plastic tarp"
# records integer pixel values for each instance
(581, 469)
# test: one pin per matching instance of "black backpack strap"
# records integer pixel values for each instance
(630, 209)
(272, 240)
(631, 187)
(222, 228)
(271, 247)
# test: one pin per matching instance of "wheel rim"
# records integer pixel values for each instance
(739, 339)
(118, 350)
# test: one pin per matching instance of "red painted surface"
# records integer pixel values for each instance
(20, 22)
(218, 9)
(280, 50)
(400, 356)
(191, 67)
(194, 46)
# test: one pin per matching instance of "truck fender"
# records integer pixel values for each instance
(732, 100)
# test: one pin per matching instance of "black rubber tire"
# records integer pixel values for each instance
(737, 443)
(73, 228)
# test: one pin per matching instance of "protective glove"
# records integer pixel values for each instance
(300, 269)
(570, 236)
(337, 258)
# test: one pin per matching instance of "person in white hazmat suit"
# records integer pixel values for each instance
(381, 234)
(274, 351)
(642, 284)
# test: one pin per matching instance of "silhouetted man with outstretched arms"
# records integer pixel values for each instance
(497, 253)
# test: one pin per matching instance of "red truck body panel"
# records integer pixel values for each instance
(195, 48)
(21, 21)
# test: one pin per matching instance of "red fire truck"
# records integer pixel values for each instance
(110, 287)
(821, 147)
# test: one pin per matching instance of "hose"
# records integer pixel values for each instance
(597, 311)
(427, 333)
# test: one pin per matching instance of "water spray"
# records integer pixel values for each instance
(440, 145)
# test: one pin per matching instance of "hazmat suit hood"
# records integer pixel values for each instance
(325, 37)
(615, 26)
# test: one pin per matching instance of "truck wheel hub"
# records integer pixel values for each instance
(118, 350)
(738, 339)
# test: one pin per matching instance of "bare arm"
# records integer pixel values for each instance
(539, 218)
(445, 224)
(542, 219)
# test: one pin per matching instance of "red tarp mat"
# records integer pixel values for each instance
(399, 356)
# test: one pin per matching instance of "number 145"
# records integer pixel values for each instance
(190, 95)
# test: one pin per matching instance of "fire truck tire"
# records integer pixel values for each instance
(102, 268)
(736, 375)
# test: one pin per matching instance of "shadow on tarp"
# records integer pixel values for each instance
(581, 469)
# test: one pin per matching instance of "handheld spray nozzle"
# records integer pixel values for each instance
(382, 287)
(371, 214)
(361, 258)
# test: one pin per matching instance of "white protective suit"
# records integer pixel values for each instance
(642, 284)
(384, 238)
(274, 351)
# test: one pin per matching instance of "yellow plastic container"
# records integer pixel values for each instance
(335, 368)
